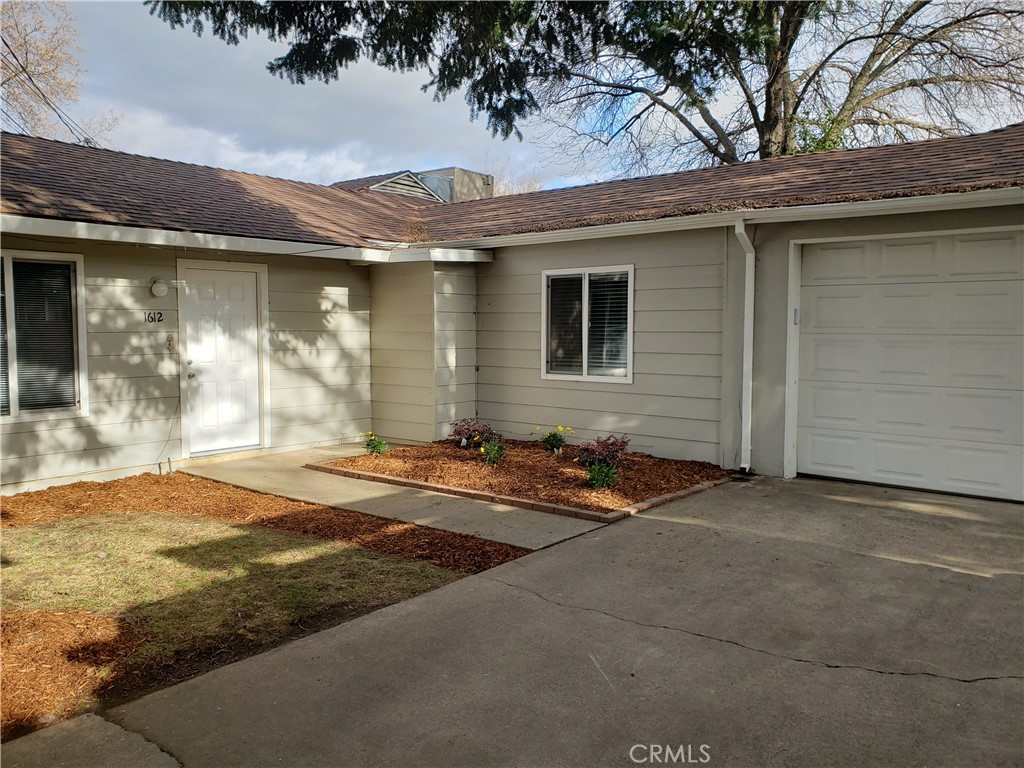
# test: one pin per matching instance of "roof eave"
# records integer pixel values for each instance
(841, 210)
(32, 226)
(12, 224)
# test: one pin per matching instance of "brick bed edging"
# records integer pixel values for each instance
(514, 501)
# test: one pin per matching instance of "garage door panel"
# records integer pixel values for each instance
(831, 264)
(921, 412)
(833, 358)
(900, 410)
(900, 461)
(996, 417)
(991, 307)
(951, 466)
(902, 309)
(970, 256)
(982, 469)
(990, 257)
(994, 307)
(833, 406)
(989, 362)
(920, 260)
(905, 360)
(831, 453)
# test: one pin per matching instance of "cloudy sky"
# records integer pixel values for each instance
(198, 100)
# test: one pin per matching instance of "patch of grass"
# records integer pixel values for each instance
(217, 586)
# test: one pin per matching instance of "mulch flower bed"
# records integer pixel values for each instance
(530, 471)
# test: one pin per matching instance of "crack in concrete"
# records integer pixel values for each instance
(163, 750)
(737, 644)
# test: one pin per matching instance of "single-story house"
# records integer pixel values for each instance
(854, 314)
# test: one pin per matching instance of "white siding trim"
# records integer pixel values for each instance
(263, 330)
(81, 345)
(80, 230)
(747, 351)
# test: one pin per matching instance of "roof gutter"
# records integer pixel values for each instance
(747, 382)
(984, 198)
(166, 238)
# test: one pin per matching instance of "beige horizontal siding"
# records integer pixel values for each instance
(308, 359)
(130, 412)
(419, 430)
(404, 359)
(320, 377)
(355, 342)
(100, 463)
(304, 434)
(323, 300)
(320, 351)
(401, 331)
(644, 384)
(321, 321)
(673, 406)
(455, 329)
(319, 366)
(111, 390)
(454, 374)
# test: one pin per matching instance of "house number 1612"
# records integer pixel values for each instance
(154, 317)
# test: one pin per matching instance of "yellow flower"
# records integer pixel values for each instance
(481, 449)
(561, 428)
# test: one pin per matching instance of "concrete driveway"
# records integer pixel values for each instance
(767, 623)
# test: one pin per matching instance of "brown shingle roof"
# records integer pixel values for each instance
(51, 179)
(964, 163)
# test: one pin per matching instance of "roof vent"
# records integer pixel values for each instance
(407, 183)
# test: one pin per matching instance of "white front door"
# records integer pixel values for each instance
(220, 360)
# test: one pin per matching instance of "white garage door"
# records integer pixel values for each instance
(912, 363)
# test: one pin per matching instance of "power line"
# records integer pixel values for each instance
(11, 119)
(80, 134)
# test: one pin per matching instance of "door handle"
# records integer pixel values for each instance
(191, 375)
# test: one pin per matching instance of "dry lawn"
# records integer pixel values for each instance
(113, 589)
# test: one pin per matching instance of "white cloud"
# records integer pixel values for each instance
(146, 132)
(198, 100)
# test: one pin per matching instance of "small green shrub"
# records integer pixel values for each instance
(375, 444)
(601, 476)
(555, 438)
(605, 450)
(493, 451)
(469, 433)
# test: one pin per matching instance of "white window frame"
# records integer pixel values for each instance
(585, 273)
(80, 347)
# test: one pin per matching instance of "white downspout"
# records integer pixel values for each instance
(746, 395)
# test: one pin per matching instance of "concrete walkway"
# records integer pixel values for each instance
(769, 623)
(283, 474)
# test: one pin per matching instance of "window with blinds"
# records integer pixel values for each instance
(39, 369)
(587, 331)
